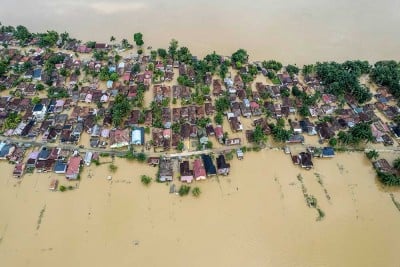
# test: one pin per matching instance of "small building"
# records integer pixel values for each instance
(306, 160)
(153, 161)
(199, 172)
(53, 185)
(209, 165)
(186, 173)
(19, 170)
(222, 166)
(88, 158)
(239, 154)
(60, 167)
(39, 111)
(119, 138)
(328, 152)
(165, 171)
(137, 137)
(233, 141)
(73, 168)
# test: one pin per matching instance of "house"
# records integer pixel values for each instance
(219, 133)
(199, 172)
(296, 139)
(19, 170)
(39, 111)
(239, 154)
(222, 167)
(60, 167)
(153, 161)
(186, 173)
(235, 124)
(137, 136)
(165, 170)
(328, 152)
(6, 150)
(296, 127)
(208, 165)
(233, 141)
(306, 160)
(119, 138)
(383, 165)
(73, 168)
(37, 74)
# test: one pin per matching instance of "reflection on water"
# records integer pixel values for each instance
(297, 31)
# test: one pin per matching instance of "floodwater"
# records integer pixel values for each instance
(256, 216)
(294, 31)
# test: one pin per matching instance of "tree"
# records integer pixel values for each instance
(272, 65)
(146, 180)
(333, 142)
(112, 168)
(173, 48)
(48, 39)
(259, 136)
(219, 118)
(112, 38)
(196, 191)
(209, 145)
(22, 34)
(308, 69)
(3, 67)
(141, 157)
(396, 164)
(222, 104)
(138, 38)
(39, 87)
(180, 146)
(36, 100)
(162, 52)
(184, 190)
(239, 58)
(373, 154)
(292, 69)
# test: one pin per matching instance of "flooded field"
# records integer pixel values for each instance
(256, 216)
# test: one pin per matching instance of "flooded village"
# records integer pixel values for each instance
(89, 117)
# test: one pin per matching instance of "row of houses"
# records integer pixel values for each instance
(200, 169)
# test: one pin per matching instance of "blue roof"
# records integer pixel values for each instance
(44, 153)
(209, 165)
(37, 73)
(328, 151)
(4, 150)
(38, 107)
(60, 166)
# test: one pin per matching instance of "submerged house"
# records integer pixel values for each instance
(186, 173)
(137, 136)
(19, 169)
(73, 169)
(306, 160)
(328, 152)
(199, 172)
(209, 165)
(222, 166)
(165, 171)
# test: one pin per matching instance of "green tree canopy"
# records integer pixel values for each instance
(138, 38)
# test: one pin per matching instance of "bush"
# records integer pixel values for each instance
(146, 180)
(62, 188)
(184, 190)
(196, 191)
(141, 157)
(113, 168)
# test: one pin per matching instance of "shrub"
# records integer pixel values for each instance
(112, 168)
(146, 180)
(196, 191)
(62, 188)
(184, 190)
